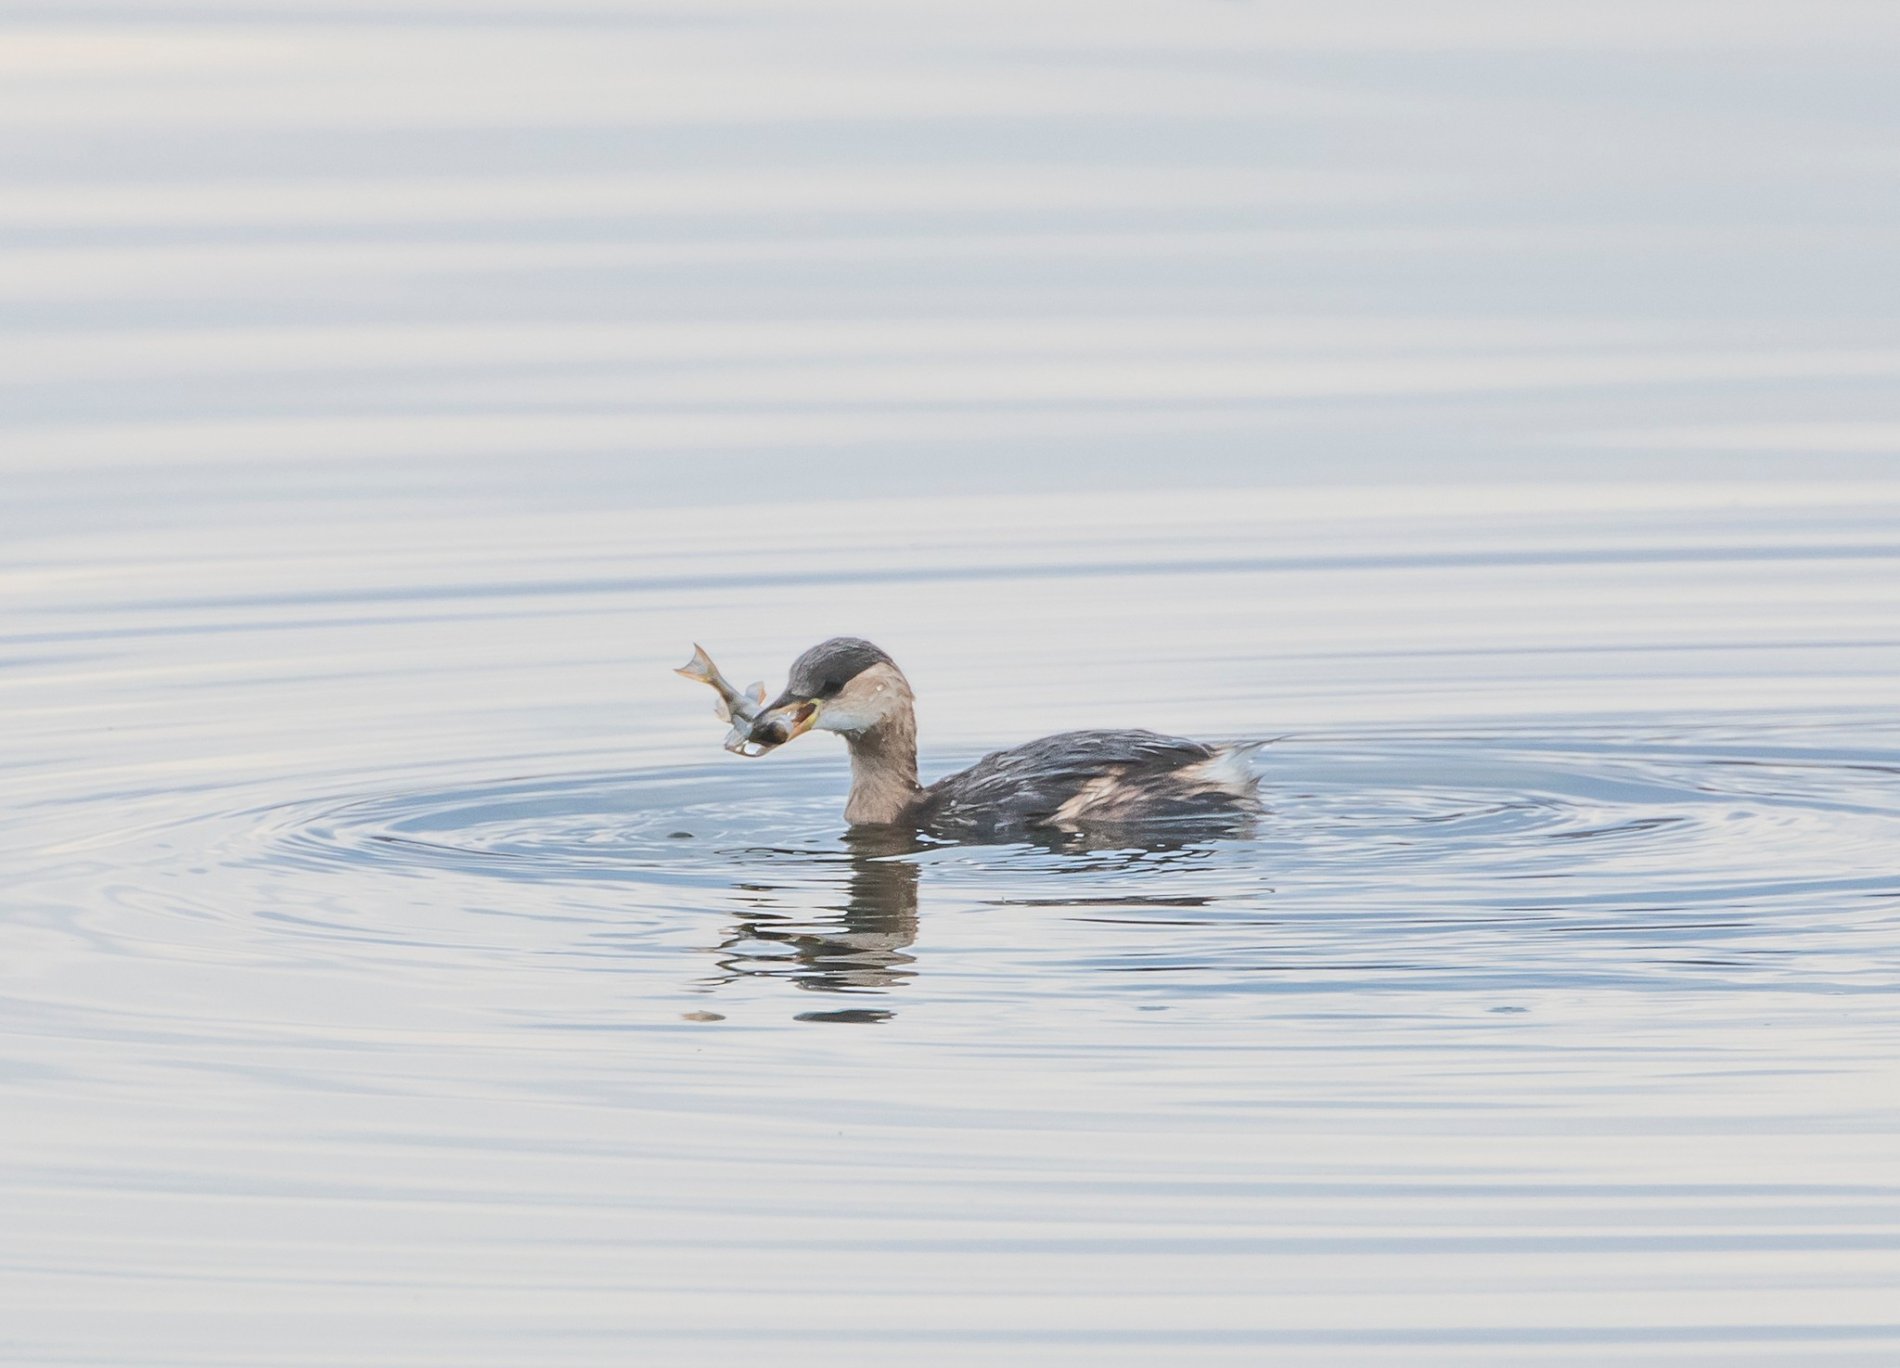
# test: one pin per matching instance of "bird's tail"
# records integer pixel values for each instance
(1232, 765)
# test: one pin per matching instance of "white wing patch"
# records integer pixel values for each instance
(1104, 797)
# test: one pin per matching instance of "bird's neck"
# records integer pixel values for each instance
(884, 786)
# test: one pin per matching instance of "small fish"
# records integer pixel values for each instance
(733, 706)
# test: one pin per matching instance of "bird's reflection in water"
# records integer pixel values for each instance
(857, 940)
(853, 935)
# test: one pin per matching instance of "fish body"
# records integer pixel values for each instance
(736, 706)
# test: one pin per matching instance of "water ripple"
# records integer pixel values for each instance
(1413, 858)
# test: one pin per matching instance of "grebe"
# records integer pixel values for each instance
(1070, 781)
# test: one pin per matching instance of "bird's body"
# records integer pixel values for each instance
(1093, 778)
(1068, 782)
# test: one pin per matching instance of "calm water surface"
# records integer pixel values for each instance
(1500, 412)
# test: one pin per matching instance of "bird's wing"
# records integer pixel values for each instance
(1029, 785)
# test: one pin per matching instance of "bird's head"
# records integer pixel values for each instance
(844, 685)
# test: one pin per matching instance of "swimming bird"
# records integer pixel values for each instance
(1071, 781)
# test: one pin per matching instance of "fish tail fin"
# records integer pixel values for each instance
(699, 668)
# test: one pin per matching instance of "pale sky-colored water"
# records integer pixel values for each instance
(1498, 402)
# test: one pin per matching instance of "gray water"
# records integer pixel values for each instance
(1494, 403)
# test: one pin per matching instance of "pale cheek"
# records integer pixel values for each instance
(844, 717)
(855, 714)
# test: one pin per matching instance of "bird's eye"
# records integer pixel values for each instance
(831, 688)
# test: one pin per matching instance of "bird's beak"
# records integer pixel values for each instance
(784, 720)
